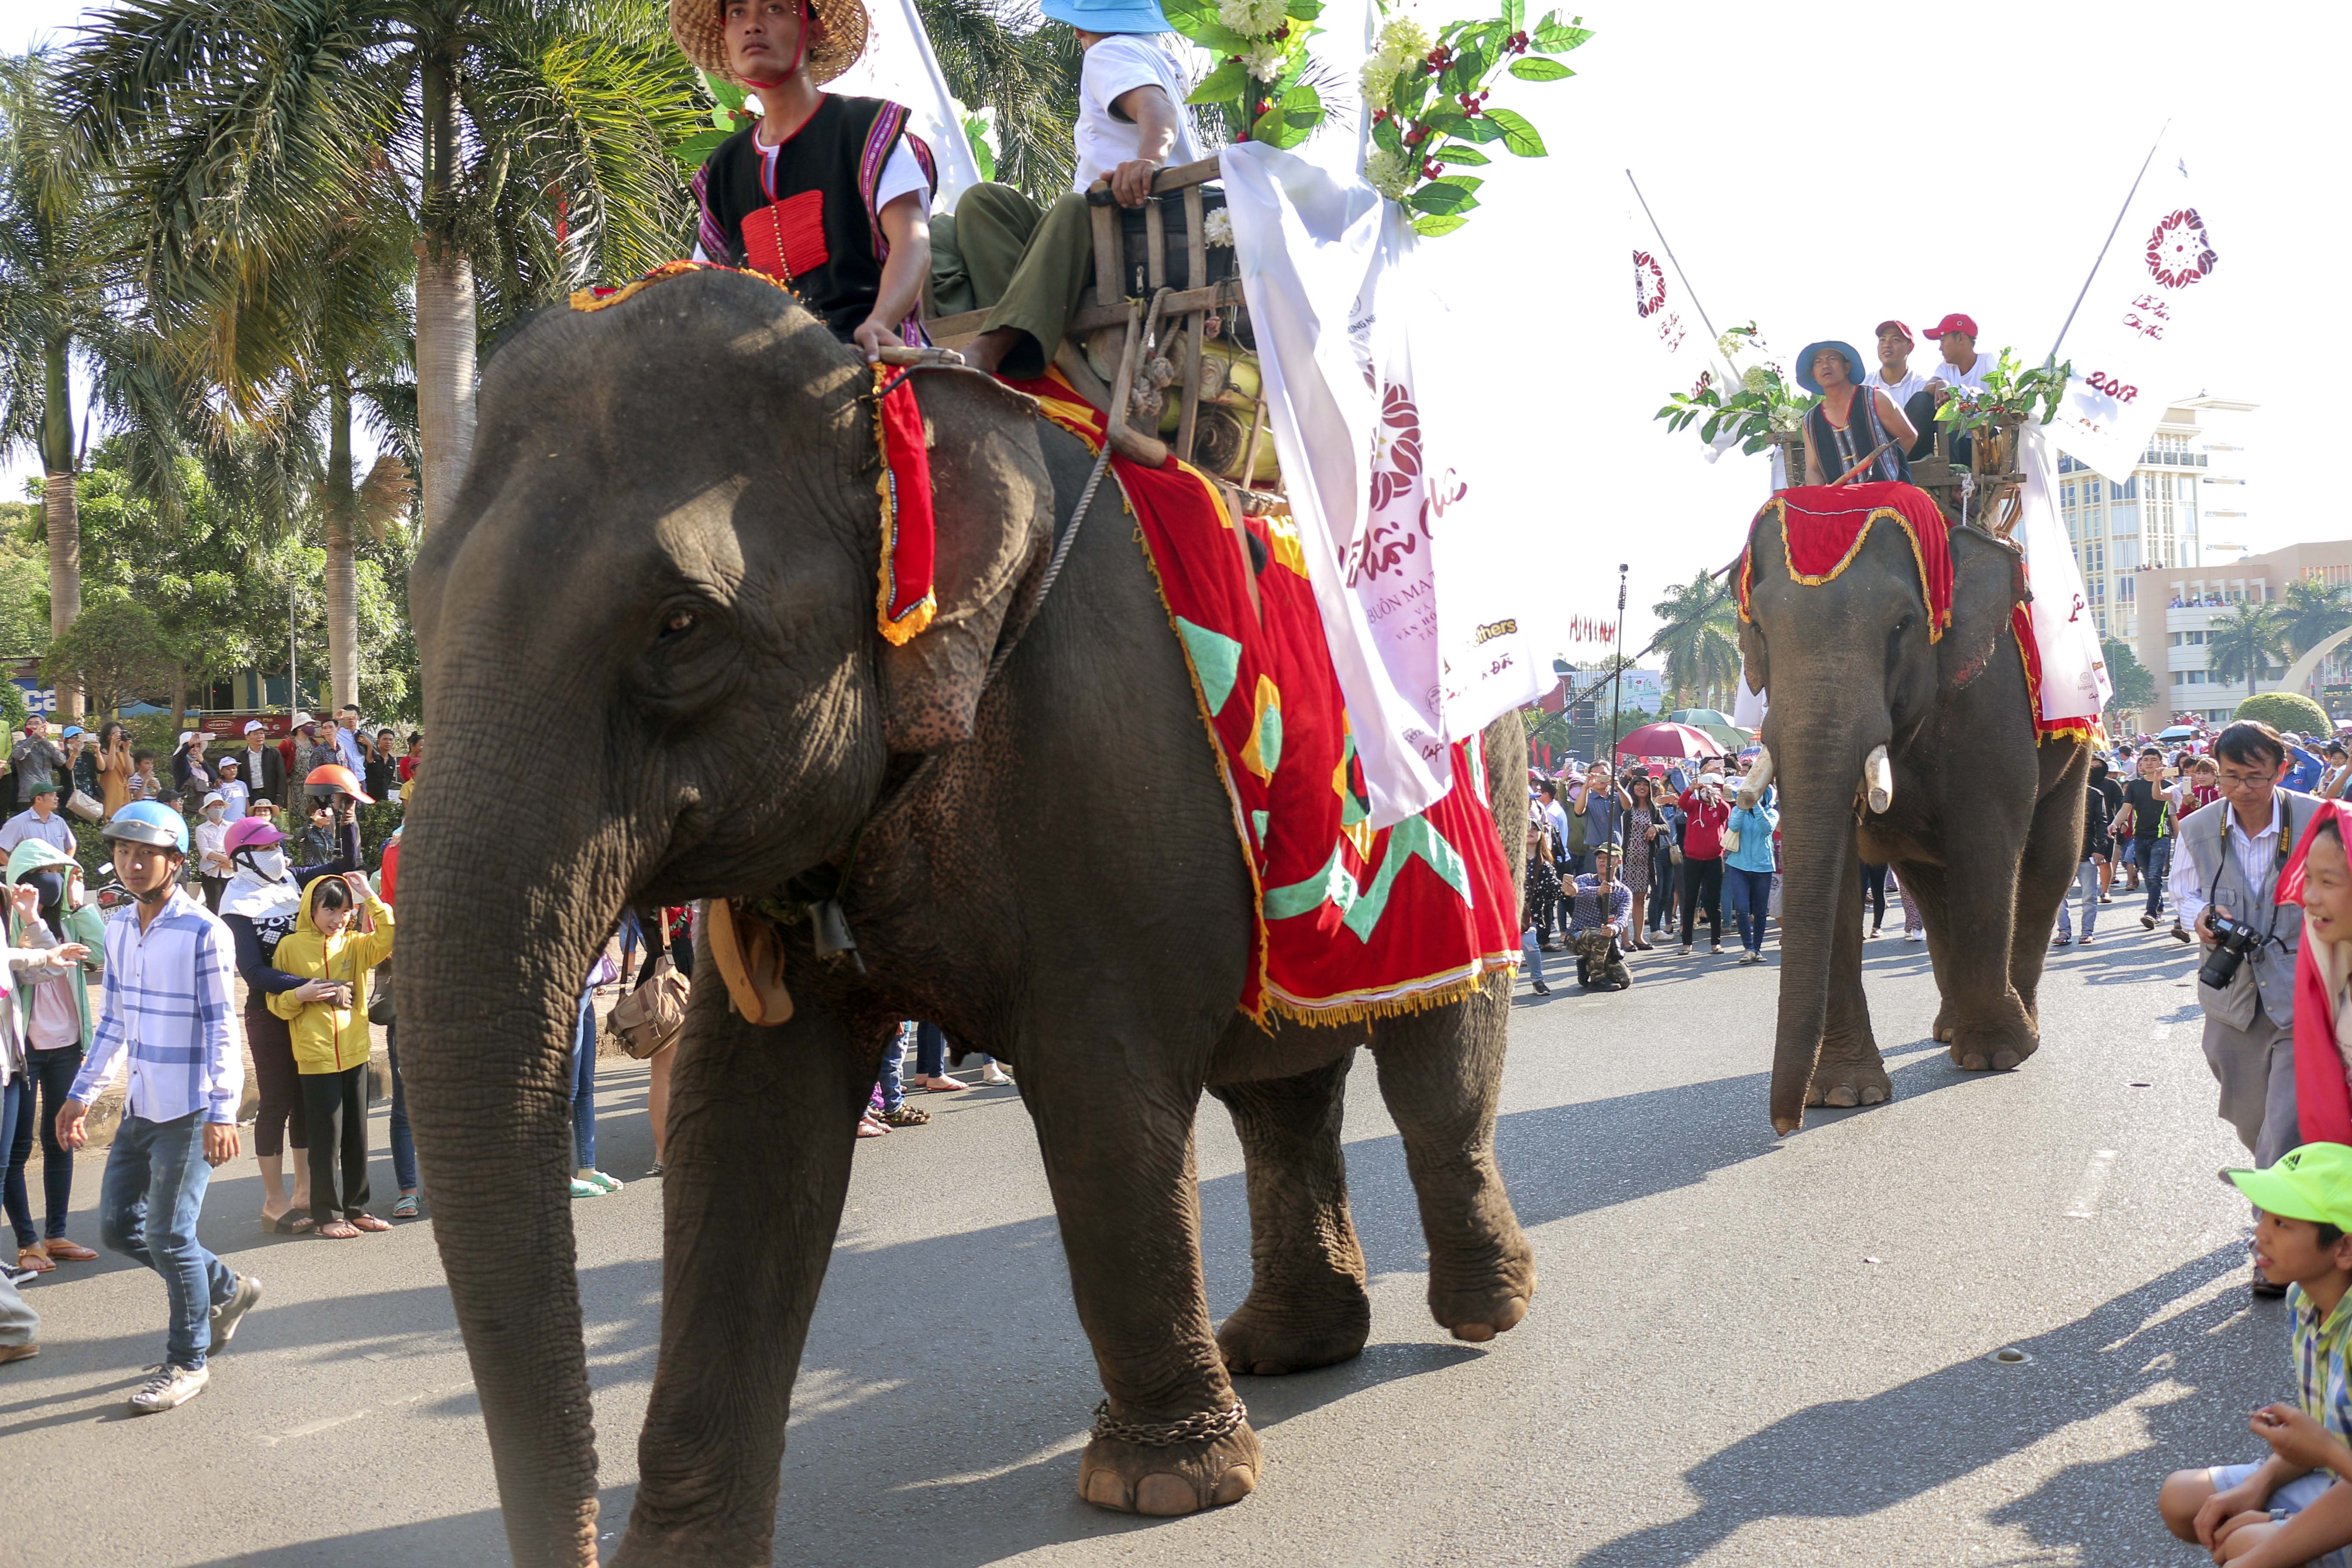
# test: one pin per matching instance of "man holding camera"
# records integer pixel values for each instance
(2226, 877)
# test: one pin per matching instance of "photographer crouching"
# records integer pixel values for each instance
(2225, 877)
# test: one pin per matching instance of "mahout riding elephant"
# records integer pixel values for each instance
(647, 627)
(1984, 825)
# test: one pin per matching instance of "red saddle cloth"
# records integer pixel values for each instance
(1352, 922)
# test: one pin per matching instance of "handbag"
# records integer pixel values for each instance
(1731, 837)
(648, 1018)
(380, 1004)
(81, 805)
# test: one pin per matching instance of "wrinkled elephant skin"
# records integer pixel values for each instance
(651, 616)
(1982, 821)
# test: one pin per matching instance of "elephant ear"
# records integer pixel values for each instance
(1753, 655)
(992, 502)
(1988, 583)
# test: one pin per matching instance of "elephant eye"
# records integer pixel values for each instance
(678, 624)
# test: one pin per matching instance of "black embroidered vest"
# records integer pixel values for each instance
(1838, 450)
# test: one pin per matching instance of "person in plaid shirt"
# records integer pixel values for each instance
(165, 1007)
(1600, 909)
(2294, 1507)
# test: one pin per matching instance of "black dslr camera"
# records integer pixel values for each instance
(2233, 941)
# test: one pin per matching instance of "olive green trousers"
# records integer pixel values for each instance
(1026, 268)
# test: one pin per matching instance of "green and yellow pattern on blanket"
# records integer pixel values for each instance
(1353, 922)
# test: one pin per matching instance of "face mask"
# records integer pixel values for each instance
(269, 864)
(211, 814)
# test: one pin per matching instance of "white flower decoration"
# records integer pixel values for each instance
(1219, 228)
(1378, 81)
(1253, 16)
(1403, 39)
(1729, 344)
(1788, 418)
(1754, 379)
(1267, 60)
(1390, 173)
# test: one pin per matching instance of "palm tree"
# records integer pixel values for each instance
(2315, 609)
(999, 55)
(1700, 641)
(518, 147)
(2247, 641)
(60, 277)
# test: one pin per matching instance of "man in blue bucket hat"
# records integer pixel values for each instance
(1845, 433)
(1030, 267)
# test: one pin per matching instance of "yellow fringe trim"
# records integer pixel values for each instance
(1936, 622)
(1389, 1001)
(588, 299)
(907, 627)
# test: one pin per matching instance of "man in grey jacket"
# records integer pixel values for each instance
(34, 761)
(2227, 866)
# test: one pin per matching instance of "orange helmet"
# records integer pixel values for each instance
(341, 778)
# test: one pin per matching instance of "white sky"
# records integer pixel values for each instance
(1818, 168)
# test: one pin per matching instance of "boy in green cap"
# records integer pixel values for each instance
(2288, 1509)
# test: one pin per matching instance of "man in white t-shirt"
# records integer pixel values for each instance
(1894, 377)
(1962, 368)
(1130, 126)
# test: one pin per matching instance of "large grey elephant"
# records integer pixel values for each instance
(1984, 825)
(649, 622)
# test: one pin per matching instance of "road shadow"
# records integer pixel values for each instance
(1848, 1458)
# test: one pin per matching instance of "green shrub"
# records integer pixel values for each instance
(2285, 710)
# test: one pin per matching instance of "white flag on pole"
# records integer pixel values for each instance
(2075, 680)
(2125, 340)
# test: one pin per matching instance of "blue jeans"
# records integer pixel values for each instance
(2086, 880)
(1533, 951)
(893, 1059)
(583, 1084)
(931, 1051)
(2155, 866)
(1751, 901)
(149, 1202)
(404, 1140)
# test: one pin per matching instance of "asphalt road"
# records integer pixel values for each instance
(1743, 1353)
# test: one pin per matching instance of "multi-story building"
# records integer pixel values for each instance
(2154, 521)
(2178, 607)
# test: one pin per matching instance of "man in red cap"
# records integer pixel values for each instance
(1911, 391)
(1963, 368)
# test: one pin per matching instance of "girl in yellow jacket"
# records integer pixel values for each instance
(330, 1039)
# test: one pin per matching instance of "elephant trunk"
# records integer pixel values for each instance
(498, 925)
(1817, 763)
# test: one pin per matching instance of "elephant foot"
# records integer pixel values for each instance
(1977, 1048)
(1163, 1482)
(1476, 1311)
(1842, 1085)
(1942, 1032)
(1266, 1338)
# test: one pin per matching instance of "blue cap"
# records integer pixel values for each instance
(1109, 16)
(1853, 366)
(146, 822)
(69, 731)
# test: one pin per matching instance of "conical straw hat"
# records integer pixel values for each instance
(700, 29)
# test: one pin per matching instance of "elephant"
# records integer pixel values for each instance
(650, 613)
(1893, 747)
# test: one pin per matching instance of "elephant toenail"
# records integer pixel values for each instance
(1165, 1496)
(1813, 1095)
(1104, 1489)
(1268, 1369)
(1842, 1096)
(1234, 1485)
(1972, 1063)
(1872, 1095)
(1514, 1308)
(2006, 1059)
(1475, 1333)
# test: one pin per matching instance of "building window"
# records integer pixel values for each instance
(2127, 490)
(2125, 589)
(2179, 677)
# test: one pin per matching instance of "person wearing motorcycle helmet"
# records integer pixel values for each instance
(169, 957)
(260, 904)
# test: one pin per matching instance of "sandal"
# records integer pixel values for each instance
(368, 1222)
(290, 1223)
(905, 1116)
(945, 1085)
(60, 1250)
(34, 1258)
(405, 1208)
(339, 1230)
(869, 1128)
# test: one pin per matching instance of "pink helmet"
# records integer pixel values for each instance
(250, 833)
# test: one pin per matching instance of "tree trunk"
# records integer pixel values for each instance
(63, 515)
(179, 700)
(445, 314)
(342, 599)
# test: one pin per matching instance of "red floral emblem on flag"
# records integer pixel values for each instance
(1649, 284)
(2178, 253)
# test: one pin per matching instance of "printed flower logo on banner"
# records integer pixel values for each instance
(1649, 284)
(2178, 253)
(1396, 448)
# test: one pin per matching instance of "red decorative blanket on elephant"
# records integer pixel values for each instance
(1352, 922)
(1822, 528)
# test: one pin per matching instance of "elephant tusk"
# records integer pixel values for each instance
(1878, 779)
(1760, 779)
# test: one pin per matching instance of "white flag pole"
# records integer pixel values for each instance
(1713, 336)
(2112, 230)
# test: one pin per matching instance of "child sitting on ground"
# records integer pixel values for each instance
(2290, 1508)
